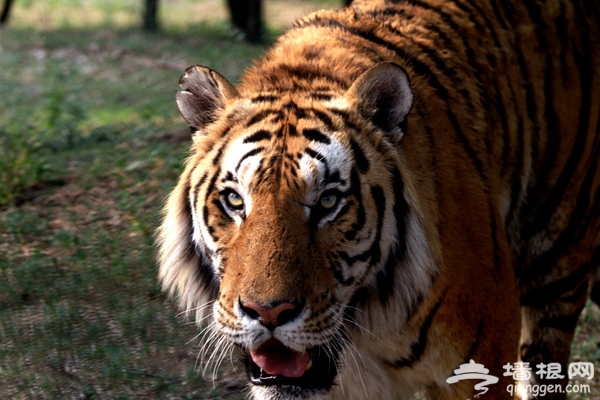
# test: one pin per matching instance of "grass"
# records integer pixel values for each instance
(90, 144)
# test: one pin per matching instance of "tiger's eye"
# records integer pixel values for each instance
(235, 201)
(328, 200)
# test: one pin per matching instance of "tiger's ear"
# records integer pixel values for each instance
(384, 96)
(204, 93)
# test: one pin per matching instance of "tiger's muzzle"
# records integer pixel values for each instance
(275, 364)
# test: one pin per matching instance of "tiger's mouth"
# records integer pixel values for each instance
(275, 364)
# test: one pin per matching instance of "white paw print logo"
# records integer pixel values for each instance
(472, 370)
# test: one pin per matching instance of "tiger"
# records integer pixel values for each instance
(394, 191)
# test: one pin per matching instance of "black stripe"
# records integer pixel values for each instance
(292, 107)
(272, 161)
(503, 118)
(487, 23)
(292, 162)
(258, 136)
(335, 178)
(386, 278)
(517, 161)
(552, 141)
(205, 212)
(219, 205)
(319, 157)
(324, 118)
(498, 16)
(337, 272)
(561, 26)
(418, 347)
(187, 206)
(595, 262)
(350, 234)
(495, 233)
(226, 131)
(316, 135)
(291, 129)
(260, 174)
(380, 205)
(261, 116)
(314, 154)
(475, 344)
(344, 210)
(373, 253)
(356, 187)
(563, 323)
(229, 177)
(430, 139)
(219, 154)
(264, 98)
(517, 171)
(321, 96)
(204, 273)
(197, 188)
(531, 106)
(359, 157)
(535, 15)
(251, 153)
(304, 72)
(358, 299)
(346, 119)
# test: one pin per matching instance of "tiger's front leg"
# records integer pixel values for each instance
(550, 312)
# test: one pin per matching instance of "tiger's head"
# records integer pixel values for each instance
(291, 211)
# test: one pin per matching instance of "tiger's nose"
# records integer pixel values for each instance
(272, 315)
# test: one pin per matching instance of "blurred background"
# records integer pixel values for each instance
(91, 142)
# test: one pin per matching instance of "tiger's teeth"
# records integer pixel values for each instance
(309, 364)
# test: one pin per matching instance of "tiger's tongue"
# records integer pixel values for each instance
(276, 359)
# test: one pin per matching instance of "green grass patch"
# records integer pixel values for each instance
(91, 142)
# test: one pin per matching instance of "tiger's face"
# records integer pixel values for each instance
(288, 203)
(282, 197)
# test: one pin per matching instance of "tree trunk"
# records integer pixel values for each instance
(151, 16)
(6, 12)
(247, 15)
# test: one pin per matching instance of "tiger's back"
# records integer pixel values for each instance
(457, 144)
